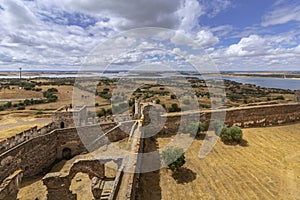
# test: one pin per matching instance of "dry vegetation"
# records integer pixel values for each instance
(268, 168)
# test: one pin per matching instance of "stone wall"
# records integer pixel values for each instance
(24, 136)
(38, 154)
(70, 118)
(256, 116)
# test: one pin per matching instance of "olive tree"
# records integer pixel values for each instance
(195, 128)
(173, 157)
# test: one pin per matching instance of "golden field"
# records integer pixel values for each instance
(267, 168)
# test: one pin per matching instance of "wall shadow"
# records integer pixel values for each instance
(184, 175)
(149, 182)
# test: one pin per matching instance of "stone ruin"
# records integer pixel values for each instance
(40, 149)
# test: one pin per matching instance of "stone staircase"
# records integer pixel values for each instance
(107, 189)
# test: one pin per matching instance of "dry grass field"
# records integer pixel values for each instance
(12, 123)
(268, 168)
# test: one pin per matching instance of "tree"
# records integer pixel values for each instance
(101, 113)
(225, 135)
(195, 128)
(174, 108)
(173, 157)
(236, 133)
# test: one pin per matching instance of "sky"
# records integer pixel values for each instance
(237, 35)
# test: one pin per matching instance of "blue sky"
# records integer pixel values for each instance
(239, 35)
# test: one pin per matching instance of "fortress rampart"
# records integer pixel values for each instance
(256, 116)
(43, 147)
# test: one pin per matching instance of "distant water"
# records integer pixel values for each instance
(281, 83)
(292, 84)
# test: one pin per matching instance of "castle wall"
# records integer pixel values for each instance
(24, 136)
(70, 118)
(257, 116)
(37, 155)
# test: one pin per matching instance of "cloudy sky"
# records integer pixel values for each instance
(236, 34)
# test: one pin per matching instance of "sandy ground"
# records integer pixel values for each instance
(268, 168)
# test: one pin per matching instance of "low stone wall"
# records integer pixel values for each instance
(24, 136)
(9, 188)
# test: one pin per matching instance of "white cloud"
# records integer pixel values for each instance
(205, 38)
(257, 53)
(252, 45)
(189, 13)
(282, 14)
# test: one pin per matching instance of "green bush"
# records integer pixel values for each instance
(173, 157)
(173, 96)
(174, 108)
(109, 111)
(101, 113)
(21, 108)
(236, 133)
(52, 90)
(225, 135)
(195, 128)
(8, 105)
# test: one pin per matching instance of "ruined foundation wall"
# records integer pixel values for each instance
(38, 154)
(9, 188)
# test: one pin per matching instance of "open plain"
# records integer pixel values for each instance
(266, 166)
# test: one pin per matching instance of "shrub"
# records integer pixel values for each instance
(195, 128)
(279, 98)
(173, 96)
(157, 101)
(225, 135)
(109, 111)
(174, 108)
(8, 104)
(101, 113)
(21, 108)
(173, 157)
(236, 133)
(52, 90)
